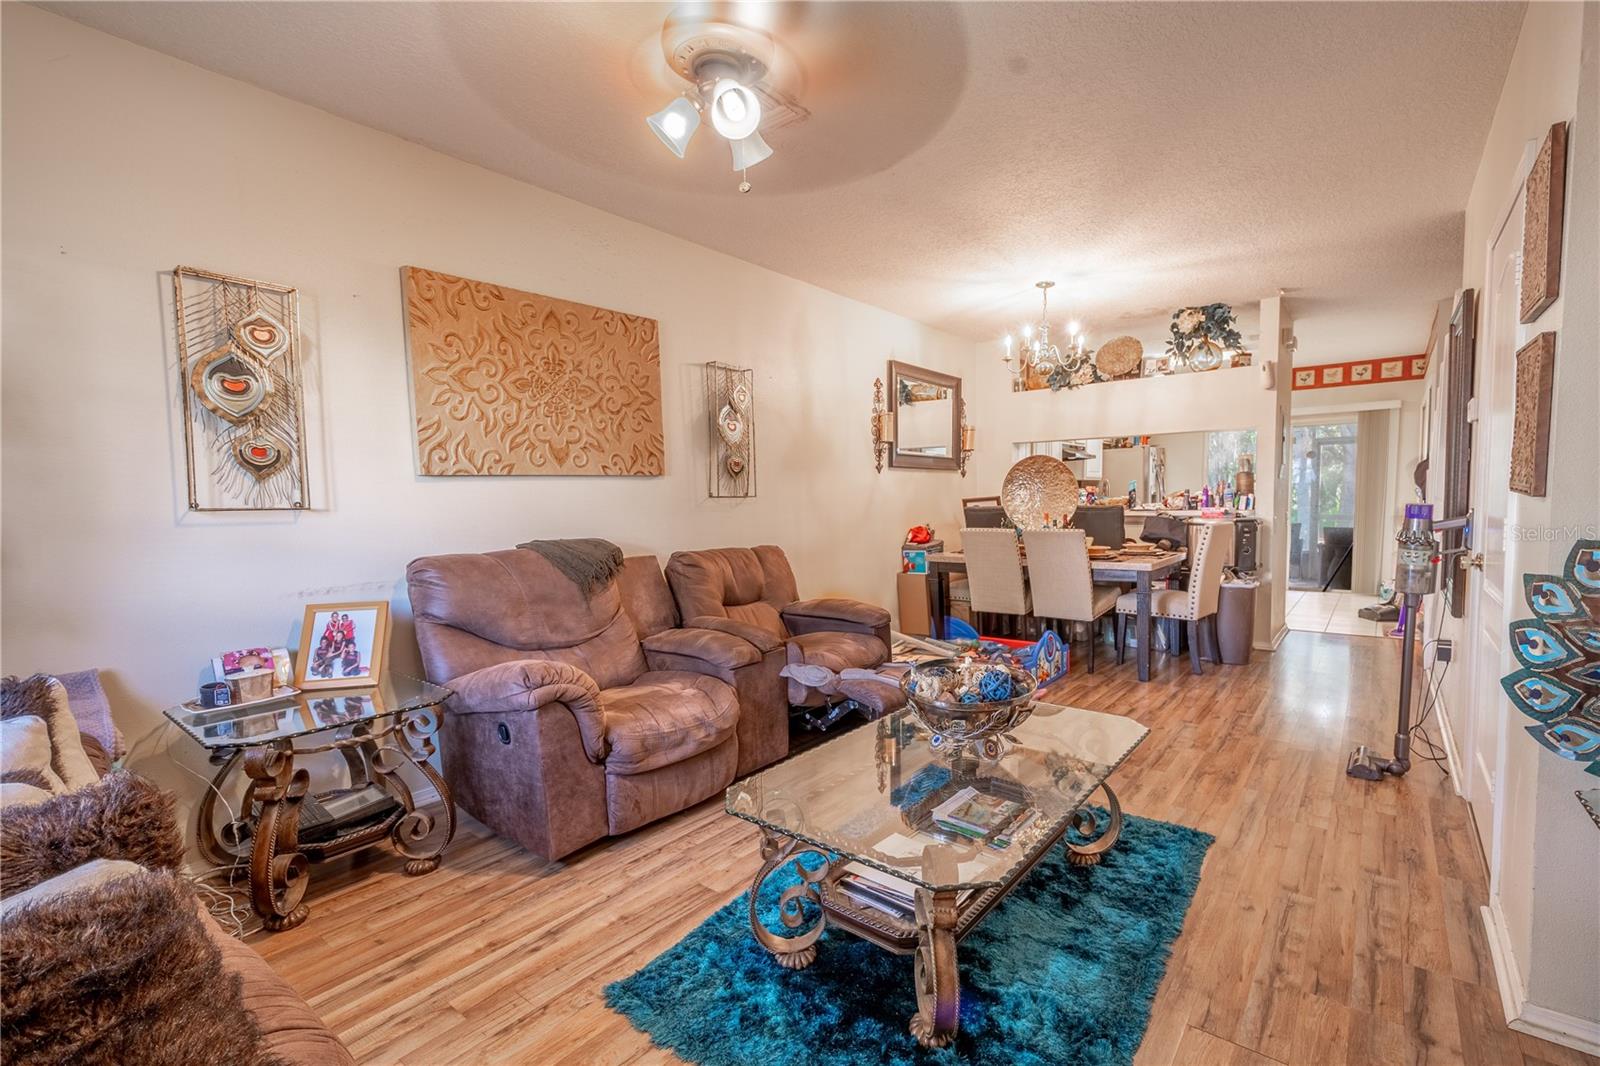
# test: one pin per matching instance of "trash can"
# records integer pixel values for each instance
(1236, 620)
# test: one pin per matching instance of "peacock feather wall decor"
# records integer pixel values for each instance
(1557, 682)
(239, 376)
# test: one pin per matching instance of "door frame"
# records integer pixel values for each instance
(1476, 699)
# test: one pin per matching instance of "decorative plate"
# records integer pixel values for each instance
(1038, 486)
(1119, 356)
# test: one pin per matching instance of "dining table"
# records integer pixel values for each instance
(1141, 569)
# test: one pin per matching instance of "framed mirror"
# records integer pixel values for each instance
(927, 418)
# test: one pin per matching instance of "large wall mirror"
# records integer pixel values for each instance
(927, 418)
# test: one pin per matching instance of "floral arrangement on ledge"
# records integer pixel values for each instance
(1201, 336)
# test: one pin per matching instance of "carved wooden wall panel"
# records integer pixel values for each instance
(511, 382)
(1542, 224)
(1530, 432)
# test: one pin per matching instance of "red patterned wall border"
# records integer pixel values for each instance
(1361, 372)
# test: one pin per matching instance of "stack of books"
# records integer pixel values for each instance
(883, 892)
(991, 820)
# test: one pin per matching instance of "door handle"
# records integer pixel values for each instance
(1472, 562)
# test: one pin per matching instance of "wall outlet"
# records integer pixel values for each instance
(1444, 651)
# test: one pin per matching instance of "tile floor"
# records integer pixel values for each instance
(1333, 612)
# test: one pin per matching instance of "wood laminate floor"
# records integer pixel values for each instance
(1336, 920)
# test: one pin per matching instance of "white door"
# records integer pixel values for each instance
(1491, 460)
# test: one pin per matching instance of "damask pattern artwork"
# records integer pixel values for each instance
(511, 382)
(239, 378)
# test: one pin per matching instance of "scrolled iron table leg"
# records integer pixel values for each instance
(279, 873)
(938, 1014)
(796, 952)
(1091, 853)
(415, 747)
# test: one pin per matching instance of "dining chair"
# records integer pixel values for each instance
(994, 575)
(1195, 606)
(1062, 584)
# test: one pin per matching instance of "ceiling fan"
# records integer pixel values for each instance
(724, 62)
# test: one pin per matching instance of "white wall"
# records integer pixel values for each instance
(121, 163)
(1230, 398)
(1543, 851)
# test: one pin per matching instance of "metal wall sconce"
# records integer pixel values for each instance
(882, 425)
(969, 438)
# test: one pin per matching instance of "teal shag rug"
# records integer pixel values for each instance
(1062, 971)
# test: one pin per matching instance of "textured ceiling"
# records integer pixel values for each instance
(1145, 156)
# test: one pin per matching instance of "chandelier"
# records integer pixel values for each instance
(1038, 355)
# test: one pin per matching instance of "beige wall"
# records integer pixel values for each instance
(1543, 851)
(121, 163)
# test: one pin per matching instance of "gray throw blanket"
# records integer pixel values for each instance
(589, 562)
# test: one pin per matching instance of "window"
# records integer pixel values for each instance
(1223, 451)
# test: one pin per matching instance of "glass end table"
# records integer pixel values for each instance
(865, 803)
(281, 826)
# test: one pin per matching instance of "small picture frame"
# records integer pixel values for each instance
(913, 561)
(342, 645)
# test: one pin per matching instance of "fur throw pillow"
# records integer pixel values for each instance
(122, 816)
(123, 972)
(26, 696)
(43, 697)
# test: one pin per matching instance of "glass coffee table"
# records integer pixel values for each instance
(863, 805)
(281, 826)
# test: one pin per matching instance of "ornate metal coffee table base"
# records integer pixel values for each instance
(940, 920)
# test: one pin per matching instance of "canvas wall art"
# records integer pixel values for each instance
(239, 378)
(511, 382)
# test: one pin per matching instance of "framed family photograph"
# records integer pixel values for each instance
(342, 644)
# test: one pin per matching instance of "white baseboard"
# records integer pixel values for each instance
(1580, 1034)
(1448, 742)
(1272, 643)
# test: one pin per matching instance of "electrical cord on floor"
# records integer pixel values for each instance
(1428, 749)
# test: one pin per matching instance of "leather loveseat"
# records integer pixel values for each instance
(577, 717)
(751, 593)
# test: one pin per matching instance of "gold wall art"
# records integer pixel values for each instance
(239, 376)
(1542, 222)
(511, 382)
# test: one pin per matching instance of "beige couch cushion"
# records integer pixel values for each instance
(90, 875)
(25, 745)
(16, 794)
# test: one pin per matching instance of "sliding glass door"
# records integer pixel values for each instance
(1322, 505)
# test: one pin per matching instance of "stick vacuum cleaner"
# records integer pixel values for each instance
(1416, 574)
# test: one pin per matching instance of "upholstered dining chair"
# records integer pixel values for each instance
(994, 577)
(1195, 606)
(1062, 585)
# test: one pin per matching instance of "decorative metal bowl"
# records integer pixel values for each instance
(1037, 486)
(952, 721)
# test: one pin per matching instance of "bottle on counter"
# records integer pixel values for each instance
(1205, 496)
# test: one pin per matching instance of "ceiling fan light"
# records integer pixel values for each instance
(748, 151)
(735, 109)
(675, 124)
